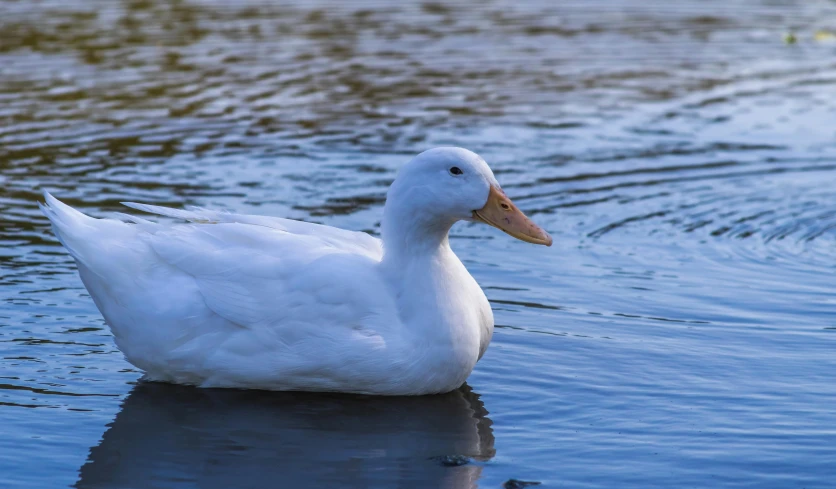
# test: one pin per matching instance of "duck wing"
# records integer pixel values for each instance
(259, 276)
(353, 241)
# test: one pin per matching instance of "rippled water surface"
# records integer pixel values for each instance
(681, 332)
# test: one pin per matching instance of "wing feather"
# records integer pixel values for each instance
(354, 241)
(256, 276)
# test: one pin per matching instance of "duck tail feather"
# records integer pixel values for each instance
(66, 221)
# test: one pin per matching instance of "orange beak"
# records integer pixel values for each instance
(502, 214)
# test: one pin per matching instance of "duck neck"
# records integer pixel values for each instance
(411, 236)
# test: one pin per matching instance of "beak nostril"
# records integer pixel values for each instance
(505, 206)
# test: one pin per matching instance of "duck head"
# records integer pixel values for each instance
(443, 185)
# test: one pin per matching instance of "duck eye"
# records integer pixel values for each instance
(456, 170)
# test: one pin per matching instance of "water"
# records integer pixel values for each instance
(679, 333)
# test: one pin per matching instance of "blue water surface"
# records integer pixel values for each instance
(681, 332)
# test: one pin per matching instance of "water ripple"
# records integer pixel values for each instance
(678, 333)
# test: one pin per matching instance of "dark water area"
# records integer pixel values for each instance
(681, 332)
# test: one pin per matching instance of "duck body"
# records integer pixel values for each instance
(242, 301)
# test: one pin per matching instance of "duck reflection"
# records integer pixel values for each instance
(169, 436)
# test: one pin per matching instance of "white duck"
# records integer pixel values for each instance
(259, 302)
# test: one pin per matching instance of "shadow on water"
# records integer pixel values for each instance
(174, 436)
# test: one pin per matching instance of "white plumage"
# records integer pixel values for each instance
(230, 300)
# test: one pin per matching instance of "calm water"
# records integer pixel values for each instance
(681, 332)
